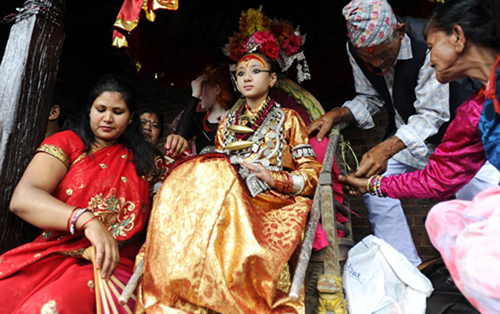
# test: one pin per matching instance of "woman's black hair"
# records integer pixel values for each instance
(474, 16)
(140, 112)
(132, 138)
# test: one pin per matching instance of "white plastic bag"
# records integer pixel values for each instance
(378, 279)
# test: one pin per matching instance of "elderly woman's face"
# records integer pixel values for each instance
(444, 56)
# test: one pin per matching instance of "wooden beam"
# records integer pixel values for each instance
(27, 80)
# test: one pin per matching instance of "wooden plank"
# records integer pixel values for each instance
(27, 79)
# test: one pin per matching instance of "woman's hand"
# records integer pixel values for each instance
(107, 254)
(175, 145)
(356, 186)
(197, 85)
(261, 172)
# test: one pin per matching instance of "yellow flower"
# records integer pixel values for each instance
(253, 21)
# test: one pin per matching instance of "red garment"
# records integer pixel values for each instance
(454, 163)
(48, 272)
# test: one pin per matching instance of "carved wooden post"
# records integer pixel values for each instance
(27, 79)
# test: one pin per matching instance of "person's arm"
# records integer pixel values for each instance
(432, 110)
(366, 103)
(187, 123)
(33, 202)
(454, 163)
(307, 167)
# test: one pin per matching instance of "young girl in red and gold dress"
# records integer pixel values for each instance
(224, 226)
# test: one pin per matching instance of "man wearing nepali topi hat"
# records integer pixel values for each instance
(392, 70)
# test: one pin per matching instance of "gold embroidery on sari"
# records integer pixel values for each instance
(116, 213)
(69, 192)
(73, 253)
(103, 166)
(79, 158)
(55, 151)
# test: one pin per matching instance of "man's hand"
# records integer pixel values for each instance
(375, 160)
(325, 122)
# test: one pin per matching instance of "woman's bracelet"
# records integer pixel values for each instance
(369, 184)
(69, 218)
(373, 186)
(283, 181)
(85, 223)
(78, 214)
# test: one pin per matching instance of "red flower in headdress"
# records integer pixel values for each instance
(265, 43)
(271, 49)
(292, 44)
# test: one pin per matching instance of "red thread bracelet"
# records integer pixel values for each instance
(83, 226)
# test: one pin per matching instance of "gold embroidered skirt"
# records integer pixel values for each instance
(212, 248)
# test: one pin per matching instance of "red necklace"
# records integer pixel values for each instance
(260, 116)
(205, 126)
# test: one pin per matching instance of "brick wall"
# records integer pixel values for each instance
(170, 101)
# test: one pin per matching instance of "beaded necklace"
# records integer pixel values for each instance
(256, 120)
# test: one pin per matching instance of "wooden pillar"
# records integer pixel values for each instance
(27, 79)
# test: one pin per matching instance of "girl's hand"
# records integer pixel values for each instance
(197, 85)
(356, 186)
(107, 254)
(261, 172)
(176, 145)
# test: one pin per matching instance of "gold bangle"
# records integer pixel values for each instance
(369, 183)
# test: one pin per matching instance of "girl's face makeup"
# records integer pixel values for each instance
(254, 77)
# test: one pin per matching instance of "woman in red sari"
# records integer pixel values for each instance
(87, 187)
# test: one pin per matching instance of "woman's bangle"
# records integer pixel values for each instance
(75, 219)
(373, 186)
(379, 189)
(69, 218)
(283, 181)
(85, 223)
(369, 184)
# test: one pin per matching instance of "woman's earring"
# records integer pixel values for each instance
(235, 83)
